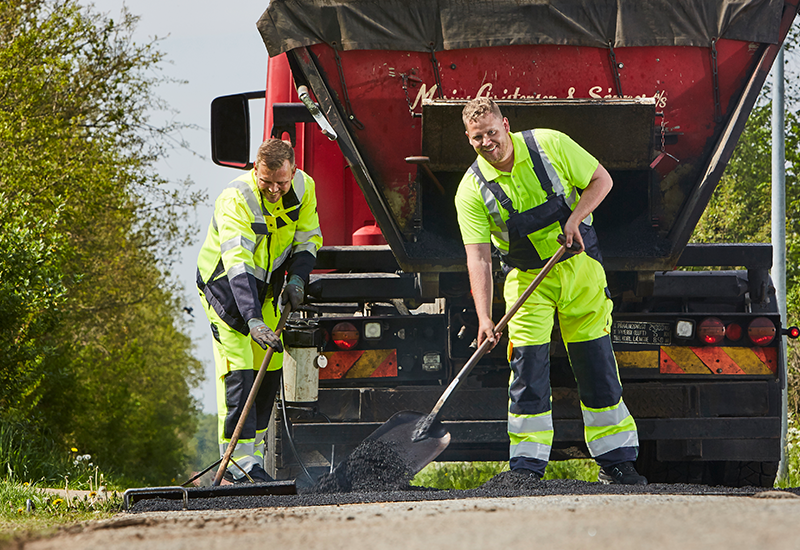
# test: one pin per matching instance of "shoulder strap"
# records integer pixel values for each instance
(538, 164)
(495, 188)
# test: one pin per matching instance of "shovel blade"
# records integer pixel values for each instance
(399, 432)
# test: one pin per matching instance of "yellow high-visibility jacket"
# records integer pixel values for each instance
(252, 243)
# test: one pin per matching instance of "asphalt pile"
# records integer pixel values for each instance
(373, 466)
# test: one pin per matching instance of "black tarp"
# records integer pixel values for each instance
(423, 25)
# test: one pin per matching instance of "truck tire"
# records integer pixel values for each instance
(734, 473)
(656, 471)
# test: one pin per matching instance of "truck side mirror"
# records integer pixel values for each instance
(230, 129)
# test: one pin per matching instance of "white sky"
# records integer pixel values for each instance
(215, 46)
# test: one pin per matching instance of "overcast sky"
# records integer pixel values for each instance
(216, 48)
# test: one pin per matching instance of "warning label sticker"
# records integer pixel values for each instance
(636, 332)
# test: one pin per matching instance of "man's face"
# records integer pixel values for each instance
(274, 184)
(489, 136)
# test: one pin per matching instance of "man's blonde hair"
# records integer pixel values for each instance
(478, 107)
(274, 152)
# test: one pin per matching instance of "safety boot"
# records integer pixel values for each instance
(622, 474)
(257, 473)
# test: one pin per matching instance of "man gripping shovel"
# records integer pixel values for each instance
(522, 191)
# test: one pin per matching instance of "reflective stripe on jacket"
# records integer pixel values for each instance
(251, 243)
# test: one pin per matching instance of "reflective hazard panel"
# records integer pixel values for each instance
(717, 360)
(372, 363)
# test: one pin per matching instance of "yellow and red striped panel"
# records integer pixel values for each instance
(717, 360)
(372, 363)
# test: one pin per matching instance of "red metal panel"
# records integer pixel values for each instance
(679, 77)
(717, 360)
(341, 206)
(388, 367)
(360, 364)
(768, 356)
(668, 366)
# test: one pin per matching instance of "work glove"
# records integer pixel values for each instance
(264, 336)
(294, 292)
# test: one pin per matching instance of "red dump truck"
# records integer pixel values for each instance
(658, 91)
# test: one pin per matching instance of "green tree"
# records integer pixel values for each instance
(106, 358)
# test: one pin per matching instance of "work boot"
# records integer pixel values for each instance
(529, 474)
(622, 474)
(256, 472)
(259, 475)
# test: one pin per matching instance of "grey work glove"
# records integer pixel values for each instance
(264, 336)
(294, 292)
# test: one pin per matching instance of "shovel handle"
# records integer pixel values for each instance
(427, 422)
(250, 400)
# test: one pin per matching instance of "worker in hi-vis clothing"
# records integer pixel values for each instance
(519, 195)
(265, 230)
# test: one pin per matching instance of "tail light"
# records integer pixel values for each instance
(733, 332)
(792, 332)
(711, 330)
(761, 331)
(345, 335)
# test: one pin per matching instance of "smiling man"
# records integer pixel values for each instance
(265, 229)
(524, 190)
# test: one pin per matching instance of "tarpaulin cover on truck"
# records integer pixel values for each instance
(425, 25)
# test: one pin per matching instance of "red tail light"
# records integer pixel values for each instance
(345, 335)
(761, 331)
(793, 332)
(711, 330)
(733, 332)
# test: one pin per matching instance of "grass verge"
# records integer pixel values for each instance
(470, 475)
(28, 511)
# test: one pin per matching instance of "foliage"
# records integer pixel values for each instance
(205, 444)
(99, 354)
(29, 454)
(29, 511)
(470, 475)
(582, 469)
(32, 292)
(457, 475)
(793, 436)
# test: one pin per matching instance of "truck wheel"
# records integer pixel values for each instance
(655, 471)
(741, 474)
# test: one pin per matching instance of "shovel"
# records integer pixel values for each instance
(249, 403)
(419, 438)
